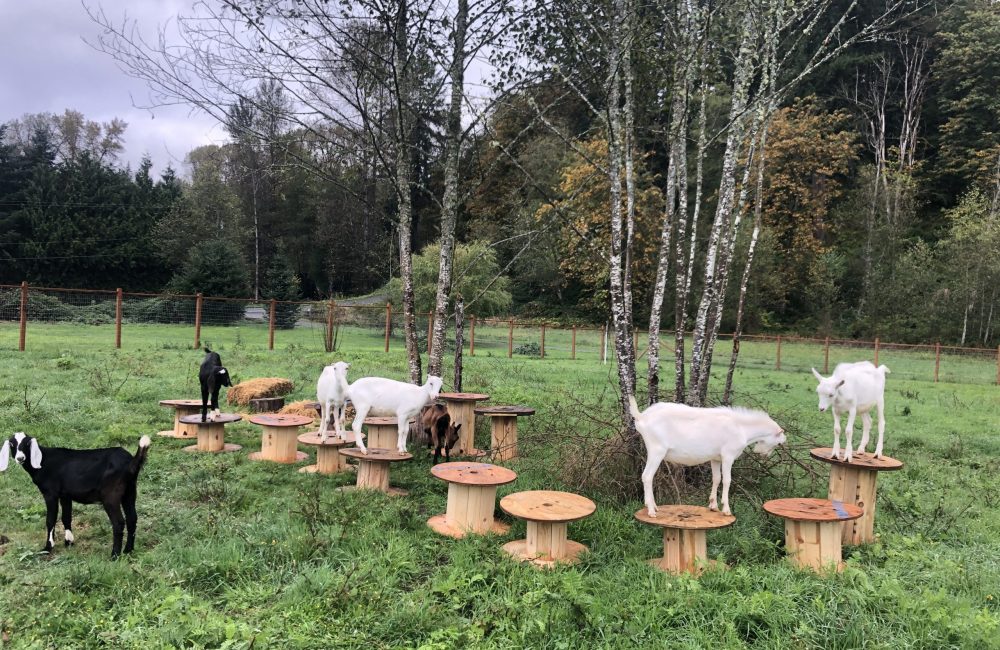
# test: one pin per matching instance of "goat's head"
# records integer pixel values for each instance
(24, 447)
(222, 376)
(451, 435)
(827, 390)
(772, 436)
(434, 385)
(340, 368)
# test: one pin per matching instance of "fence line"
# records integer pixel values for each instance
(332, 325)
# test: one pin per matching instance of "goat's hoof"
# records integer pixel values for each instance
(848, 458)
(713, 507)
(651, 512)
(727, 511)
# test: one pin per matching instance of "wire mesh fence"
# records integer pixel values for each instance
(67, 319)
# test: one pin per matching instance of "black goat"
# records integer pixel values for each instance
(212, 377)
(106, 476)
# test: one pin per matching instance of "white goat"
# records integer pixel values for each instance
(854, 388)
(331, 390)
(691, 436)
(381, 397)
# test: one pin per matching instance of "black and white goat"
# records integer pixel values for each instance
(106, 476)
(213, 376)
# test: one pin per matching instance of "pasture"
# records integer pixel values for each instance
(235, 554)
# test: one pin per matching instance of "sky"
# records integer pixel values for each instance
(45, 66)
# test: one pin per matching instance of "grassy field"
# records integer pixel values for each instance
(237, 554)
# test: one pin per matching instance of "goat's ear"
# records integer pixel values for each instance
(818, 376)
(841, 383)
(36, 454)
(4, 456)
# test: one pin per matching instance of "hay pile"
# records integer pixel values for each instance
(304, 407)
(242, 393)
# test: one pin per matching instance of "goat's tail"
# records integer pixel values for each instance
(885, 369)
(633, 407)
(140, 456)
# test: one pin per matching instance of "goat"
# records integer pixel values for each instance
(386, 397)
(854, 388)
(441, 432)
(107, 476)
(331, 390)
(213, 376)
(691, 436)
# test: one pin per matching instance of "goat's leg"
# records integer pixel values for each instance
(67, 519)
(360, 413)
(653, 460)
(131, 516)
(850, 433)
(881, 427)
(215, 402)
(866, 428)
(51, 515)
(324, 417)
(204, 401)
(404, 430)
(835, 452)
(727, 476)
(713, 504)
(114, 510)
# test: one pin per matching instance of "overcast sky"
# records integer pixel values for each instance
(45, 66)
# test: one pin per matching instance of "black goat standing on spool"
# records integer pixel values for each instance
(213, 376)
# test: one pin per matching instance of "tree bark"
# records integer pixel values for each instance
(459, 340)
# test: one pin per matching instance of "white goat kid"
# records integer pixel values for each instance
(381, 397)
(331, 391)
(854, 388)
(691, 436)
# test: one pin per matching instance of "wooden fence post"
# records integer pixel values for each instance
(472, 336)
(430, 330)
(270, 323)
(24, 316)
(876, 352)
(388, 323)
(118, 318)
(937, 360)
(197, 321)
(573, 348)
(777, 366)
(510, 340)
(543, 340)
(826, 356)
(329, 326)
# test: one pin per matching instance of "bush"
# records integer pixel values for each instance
(214, 268)
(530, 349)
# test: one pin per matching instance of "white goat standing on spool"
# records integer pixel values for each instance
(382, 397)
(854, 388)
(687, 435)
(331, 391)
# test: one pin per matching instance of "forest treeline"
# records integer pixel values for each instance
(878, 195)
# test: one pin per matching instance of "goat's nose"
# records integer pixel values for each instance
(19, 458)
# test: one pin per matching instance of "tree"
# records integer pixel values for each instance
(281, 283)
(214, 268)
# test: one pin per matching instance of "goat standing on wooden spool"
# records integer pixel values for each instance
(213, 376)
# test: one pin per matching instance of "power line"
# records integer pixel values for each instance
(86, 240)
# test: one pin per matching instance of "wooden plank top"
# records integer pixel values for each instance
(473, 473)
(547, 505)
(687, 517)
(221, 418)
(287, 420)
(315, 439)
(381, 421)
(813, 509)
(376, 454)
(462, 397)
(174, 403)
(504, 410)
(859, 461)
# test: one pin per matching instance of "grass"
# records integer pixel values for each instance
(237, 554)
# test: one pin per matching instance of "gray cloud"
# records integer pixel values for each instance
(48, 68)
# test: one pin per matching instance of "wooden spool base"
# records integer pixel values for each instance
(439, 524)
(813, 529)
(472, 493)
(314, 469)
(856, 482)
(520, 550)
(328, 457)
(383, 433)
(211, 433)
(300, 456)
(226, 449)
(279, 439)
(685, 548)
(373, 469)
(182, 408)
(548, 514)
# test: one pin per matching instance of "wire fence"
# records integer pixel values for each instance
(67, 319)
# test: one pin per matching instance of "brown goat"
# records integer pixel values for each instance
(441, 432)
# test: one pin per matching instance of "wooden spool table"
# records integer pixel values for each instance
(383, 432)
(813, 530)
(503, 429)
(373, 469)
(182, 408)
(211, 434)
(279, 440)
(547, 514)
(328, 458)
(685, 549)
(472, 493)
(855, 482)
(461, 408)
